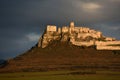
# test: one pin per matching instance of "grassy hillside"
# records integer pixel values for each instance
(64, 56)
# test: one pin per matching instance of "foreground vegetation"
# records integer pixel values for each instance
(62, 75)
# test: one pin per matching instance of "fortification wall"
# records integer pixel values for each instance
(65, 29)
(76, 30)
(88, 34)
(107, 43)
(108, 47)
(83, 43)
(51, 28)
(110, 39)
(99, 45)
(81, 29)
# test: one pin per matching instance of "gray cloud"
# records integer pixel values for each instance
(22, 19)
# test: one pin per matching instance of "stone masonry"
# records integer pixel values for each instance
(79, 36)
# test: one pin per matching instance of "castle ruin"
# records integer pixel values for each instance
(79, 36)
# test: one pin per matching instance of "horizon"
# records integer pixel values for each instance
(23, 22)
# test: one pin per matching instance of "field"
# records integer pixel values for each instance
(62, 75)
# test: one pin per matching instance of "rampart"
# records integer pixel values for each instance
(108, 47)
(83, 43)
(101, 43)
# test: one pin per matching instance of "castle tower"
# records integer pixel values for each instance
(51, 28)
(71, 24)
(59, 30)
(71, 29)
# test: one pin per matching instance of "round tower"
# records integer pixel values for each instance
(71, 27)
(72, 24)
(59, 30)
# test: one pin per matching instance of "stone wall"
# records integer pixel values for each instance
(101, 43)
(88, 34)
(110, 39)
(83, 43)
(81, 29)
(51, 28)
(65, 29)
(78, 43)
(107, 47)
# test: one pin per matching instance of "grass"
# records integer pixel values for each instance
(60, 75)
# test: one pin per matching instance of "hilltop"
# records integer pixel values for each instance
(59, 51)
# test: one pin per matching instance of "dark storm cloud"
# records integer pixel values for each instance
(22, 21)
(97, 11)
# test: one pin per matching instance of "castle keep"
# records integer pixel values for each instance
(79, 36)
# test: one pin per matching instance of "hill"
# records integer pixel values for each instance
(68, 48)
(2, 63)
(64, 56)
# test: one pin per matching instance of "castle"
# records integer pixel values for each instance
(79, 36)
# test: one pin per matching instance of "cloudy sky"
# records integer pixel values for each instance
(23, 21)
